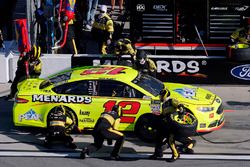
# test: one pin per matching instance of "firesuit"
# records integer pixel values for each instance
(20, 75)
(242, 35)
(70, 46)
(27, 64)
(35, 63)
(124, 46)
(106, 128)
(103, 29)
(164, 129)
(59, 128)
(144, 64)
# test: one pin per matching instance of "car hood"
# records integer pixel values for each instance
(29, 85)
(190, 94)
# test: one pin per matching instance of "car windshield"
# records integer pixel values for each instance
(56, 79)
(151, 84)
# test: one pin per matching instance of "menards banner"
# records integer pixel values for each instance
(184, 69)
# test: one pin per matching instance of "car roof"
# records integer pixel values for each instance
(114, 72)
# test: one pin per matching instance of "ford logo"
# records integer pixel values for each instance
(241, 72)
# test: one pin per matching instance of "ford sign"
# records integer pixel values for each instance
(241, 72)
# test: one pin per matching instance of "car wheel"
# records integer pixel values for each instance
(145, 128)
(184, 124)
(69, 113)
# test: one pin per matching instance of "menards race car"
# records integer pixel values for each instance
(88, 91)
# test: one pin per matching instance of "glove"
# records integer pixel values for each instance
(181, 108)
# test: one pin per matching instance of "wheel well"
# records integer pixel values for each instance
(69, 112)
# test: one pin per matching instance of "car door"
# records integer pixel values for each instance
(132, 102)
(82, 100)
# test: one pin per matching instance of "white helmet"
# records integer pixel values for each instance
(103, 8)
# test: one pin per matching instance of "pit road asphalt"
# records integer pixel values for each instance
(233, 138)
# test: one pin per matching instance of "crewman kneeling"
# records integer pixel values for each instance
(106, 128)
(59, 128)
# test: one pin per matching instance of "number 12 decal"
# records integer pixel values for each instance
(127, 107)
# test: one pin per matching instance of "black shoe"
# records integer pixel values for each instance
(115, 157)
(154, 156)
(188, 151)
(71, 145)
(84, 152)
(47, 144)
(172, 159)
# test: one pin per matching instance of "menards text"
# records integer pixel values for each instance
(62, 99)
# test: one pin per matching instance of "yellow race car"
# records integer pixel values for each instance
(88, 91)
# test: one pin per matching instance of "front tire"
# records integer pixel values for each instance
(145, 128)
(184, 124)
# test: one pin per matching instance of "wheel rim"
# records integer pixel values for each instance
(186, 119)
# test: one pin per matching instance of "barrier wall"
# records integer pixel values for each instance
(50, 65)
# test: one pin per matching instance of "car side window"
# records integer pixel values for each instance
(77, 88)
(117, 89)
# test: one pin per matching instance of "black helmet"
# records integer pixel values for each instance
(115, 108)
(141, 54)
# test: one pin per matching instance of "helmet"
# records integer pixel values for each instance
(141, 56)
(58, 111)
(115, 108)
(103, 8)
(35, 52)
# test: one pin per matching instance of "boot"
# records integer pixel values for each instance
(84, 152)
(115, 157)
(173, 158)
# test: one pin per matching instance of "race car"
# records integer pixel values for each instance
(88, 91)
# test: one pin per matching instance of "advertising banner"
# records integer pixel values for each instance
(184, 69)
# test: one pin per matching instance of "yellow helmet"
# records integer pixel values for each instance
(36, 51)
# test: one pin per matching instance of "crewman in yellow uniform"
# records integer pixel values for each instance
(124, 46)
(59, 128)
(106, 128)
(242, 35)
(103, 29)
(144, 64)
(164, 129)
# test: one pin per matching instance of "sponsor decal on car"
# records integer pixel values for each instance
(61, 99)
(241, 72)
(30, 115)
(84, 112)
(87, 120)
(188, 93)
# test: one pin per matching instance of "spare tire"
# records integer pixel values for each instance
(184, 124)
(241, 53)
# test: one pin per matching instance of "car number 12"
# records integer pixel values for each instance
(127, 108)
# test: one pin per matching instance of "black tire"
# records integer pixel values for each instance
(145, 128)
(180, 126)
(241, 54)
